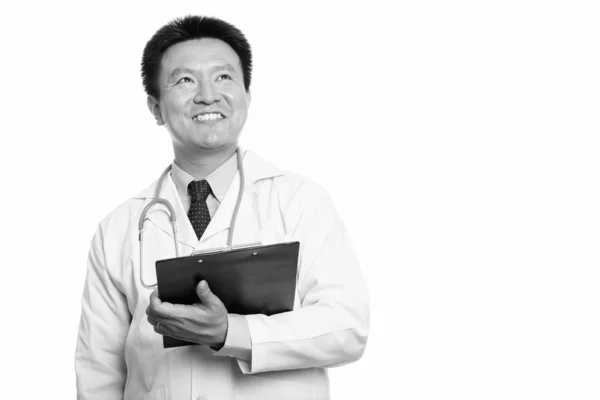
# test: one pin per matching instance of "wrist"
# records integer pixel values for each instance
(221, 337)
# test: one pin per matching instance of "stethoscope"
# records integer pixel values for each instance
(173, 219)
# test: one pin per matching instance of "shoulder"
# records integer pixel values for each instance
(292, 189)
(300, 187)
(259, 169)
(125, 213)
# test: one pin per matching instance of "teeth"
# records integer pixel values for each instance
(208, 117)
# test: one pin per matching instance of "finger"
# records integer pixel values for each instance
(165, 329)
(205, 295)
(153, 320)
(160, 325)
(163, 326)
(161, 308)
(154, 304)
(154, 300)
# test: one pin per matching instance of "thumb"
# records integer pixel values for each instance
(204, 293)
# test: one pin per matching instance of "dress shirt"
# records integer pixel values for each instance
(237, 342)
(219, 181)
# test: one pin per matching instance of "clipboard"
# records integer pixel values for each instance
(249, 280)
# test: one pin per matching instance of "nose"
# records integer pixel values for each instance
(206, 93)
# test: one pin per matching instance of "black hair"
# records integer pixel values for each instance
(188, 28)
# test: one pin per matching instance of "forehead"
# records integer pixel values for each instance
(198, 54)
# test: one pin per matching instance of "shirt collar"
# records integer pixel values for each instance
(257, 168)
(219, 180)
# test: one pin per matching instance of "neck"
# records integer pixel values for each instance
(200, 164)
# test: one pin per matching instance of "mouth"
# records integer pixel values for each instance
(208, 117)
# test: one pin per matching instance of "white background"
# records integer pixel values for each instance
(459, 140)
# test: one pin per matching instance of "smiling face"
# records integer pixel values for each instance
(203, 102)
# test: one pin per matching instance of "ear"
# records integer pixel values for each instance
(249, 96)
(154, 108)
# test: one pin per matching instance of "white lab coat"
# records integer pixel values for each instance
(120, 356)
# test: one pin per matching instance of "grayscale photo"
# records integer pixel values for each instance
(316, 200)
(258, 287)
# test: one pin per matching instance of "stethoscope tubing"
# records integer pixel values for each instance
(173, 219)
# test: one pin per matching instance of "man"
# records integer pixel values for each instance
(197, 73)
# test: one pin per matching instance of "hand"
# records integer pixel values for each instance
(203, 323)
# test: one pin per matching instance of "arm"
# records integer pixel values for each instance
(330, 327)
(99, 357)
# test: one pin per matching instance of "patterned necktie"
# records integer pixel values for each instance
(198, 213)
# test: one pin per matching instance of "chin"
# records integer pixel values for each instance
(214, 144)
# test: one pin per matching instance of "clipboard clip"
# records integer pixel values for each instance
(225, 249)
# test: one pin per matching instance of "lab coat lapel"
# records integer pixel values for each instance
(247, 228)
(221, 221)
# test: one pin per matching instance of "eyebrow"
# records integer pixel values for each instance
(177, 71)
(228, 67)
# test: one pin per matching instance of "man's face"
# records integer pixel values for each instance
(203, 102)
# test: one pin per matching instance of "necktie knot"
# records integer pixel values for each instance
(199, 190)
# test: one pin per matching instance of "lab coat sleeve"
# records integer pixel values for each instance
(237, 341)
(330, 328)
(99, 357)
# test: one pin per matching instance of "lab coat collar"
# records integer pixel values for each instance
(255, 168)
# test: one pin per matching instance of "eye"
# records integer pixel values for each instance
(224, 76)
(185, 79)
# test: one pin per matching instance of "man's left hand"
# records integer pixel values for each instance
(203, 323)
